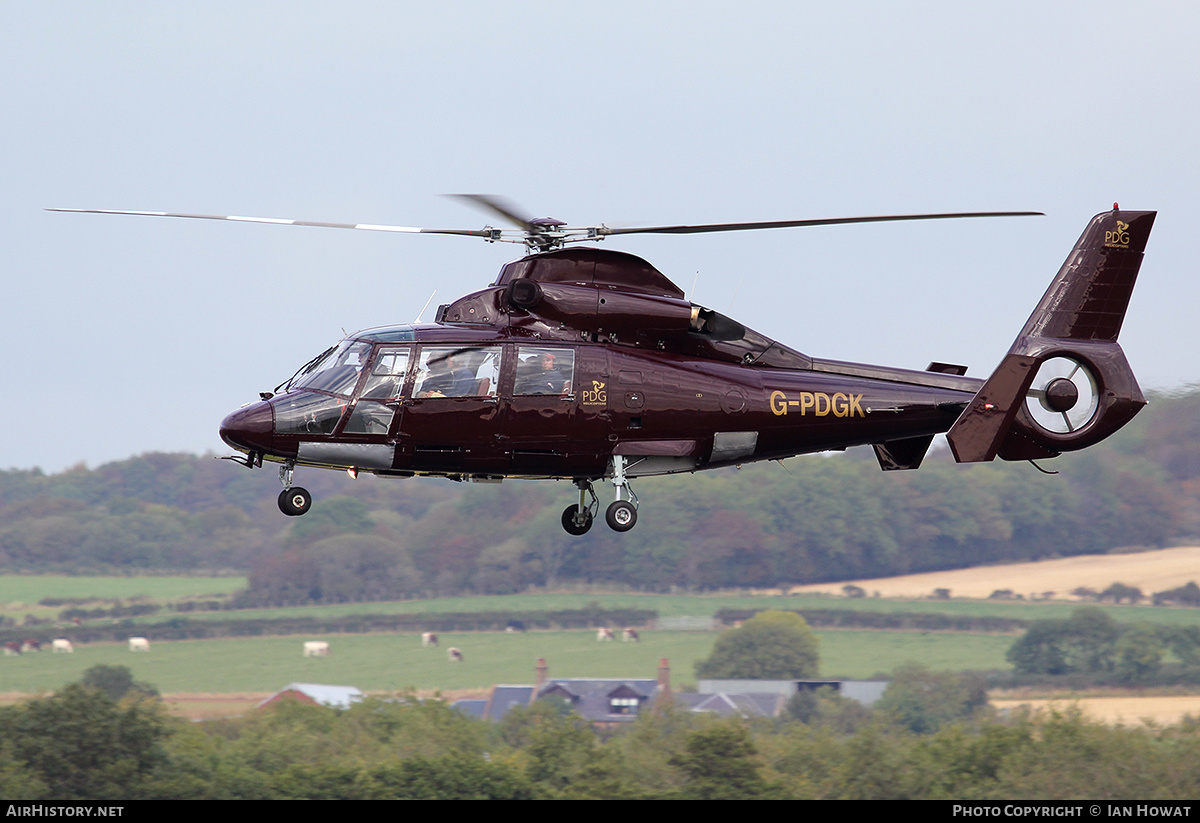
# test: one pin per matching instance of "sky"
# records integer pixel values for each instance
(127, 334)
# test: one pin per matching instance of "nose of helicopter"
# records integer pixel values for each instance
(249, 428)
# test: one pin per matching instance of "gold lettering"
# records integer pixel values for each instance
(819, 404)
(1118, 238)
(778, 402)
(597, 396)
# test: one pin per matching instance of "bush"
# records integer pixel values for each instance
(772, 645)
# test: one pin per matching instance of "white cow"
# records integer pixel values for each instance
(428, 639)
(316, 648)
(139, 644)
(62, 645)
(630, 635)
(454, 654)
(604, 634)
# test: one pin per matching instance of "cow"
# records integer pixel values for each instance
(316, 648)
(603, 635)
(630, 635)
(63, 645)
(428, 639)
(139, 644)
(454, 655)
(12, 648)
(31, 646)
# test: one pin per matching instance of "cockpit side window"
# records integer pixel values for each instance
(387, 374)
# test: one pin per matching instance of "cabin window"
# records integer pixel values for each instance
(457, 372)
(544, 370)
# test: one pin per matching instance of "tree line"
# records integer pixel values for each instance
(929, 738)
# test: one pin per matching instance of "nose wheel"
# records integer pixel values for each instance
(293, 500)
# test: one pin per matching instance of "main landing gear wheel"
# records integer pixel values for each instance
(621, 516)
(576, 523)
(295, 501)
(577, 520)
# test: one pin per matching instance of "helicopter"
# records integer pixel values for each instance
(590, 365)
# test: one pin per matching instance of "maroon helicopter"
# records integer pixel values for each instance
(590, 365)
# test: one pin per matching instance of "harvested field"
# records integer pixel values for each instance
(1129, 711)
(1151, 571)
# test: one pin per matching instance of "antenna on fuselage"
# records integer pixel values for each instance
(423, 308)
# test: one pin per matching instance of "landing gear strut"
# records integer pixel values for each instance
(621, 515)
(293, 500)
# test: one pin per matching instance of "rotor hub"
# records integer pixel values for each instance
(1061, 395)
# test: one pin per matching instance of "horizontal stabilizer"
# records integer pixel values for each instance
(897, 455)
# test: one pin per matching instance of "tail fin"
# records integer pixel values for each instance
(1065, 383)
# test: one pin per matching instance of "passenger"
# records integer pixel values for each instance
(448, 379)
(547, 379)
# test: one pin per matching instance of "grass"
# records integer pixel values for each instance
(393, 662)
(390, 662)
(20, 594)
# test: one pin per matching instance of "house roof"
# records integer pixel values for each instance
(593, 698)
(730, 705)
(505, 698)
(336, 697)
(864, 691)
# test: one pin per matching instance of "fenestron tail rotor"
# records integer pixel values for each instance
(546, 233)
(1063, 397)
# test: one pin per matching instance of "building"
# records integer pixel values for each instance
(316, 694)
(604, 701)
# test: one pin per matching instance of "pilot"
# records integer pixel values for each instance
(547, 379)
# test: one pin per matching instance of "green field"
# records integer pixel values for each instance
(20, 592)
(389, 662)
(32, 588)
(392, 662)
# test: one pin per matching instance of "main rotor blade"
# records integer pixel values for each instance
(787, 224)
(319, 224)
(498, 205)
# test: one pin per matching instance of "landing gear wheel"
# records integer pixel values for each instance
(295, 501)
(621, 516)
(573, 526)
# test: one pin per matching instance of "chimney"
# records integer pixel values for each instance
(540, 673)
(662, 695)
